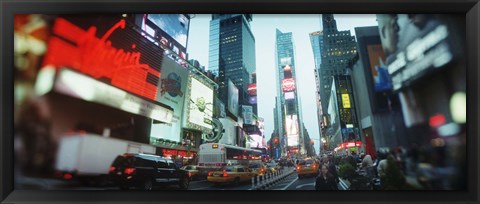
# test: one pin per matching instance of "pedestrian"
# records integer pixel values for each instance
(325, 181)
(367, 164)
(332, 168)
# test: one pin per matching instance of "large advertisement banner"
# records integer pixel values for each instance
(414, 45)
(107, 49)
(229, 134)
(247, 114)
(232, 98)
(172, 89)
(200, 106)
(175, 25)
(291, 126)
(380, 75)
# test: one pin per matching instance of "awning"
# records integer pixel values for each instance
(77, 85)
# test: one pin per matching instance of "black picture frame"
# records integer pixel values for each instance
(470, 8)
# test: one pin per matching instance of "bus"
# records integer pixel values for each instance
(213, 156)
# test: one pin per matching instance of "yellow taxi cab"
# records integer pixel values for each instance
(231, 174)
(307, 167)
(193, 172)
(258, 168)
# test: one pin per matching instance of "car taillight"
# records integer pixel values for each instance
(67, 176)
(298, 168)
(209, 173)
(200, 164)
(225, 173)
(218, 164)
(129, 171)
(189, 174)
(112, 168)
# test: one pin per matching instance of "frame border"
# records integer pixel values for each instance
(469, 8)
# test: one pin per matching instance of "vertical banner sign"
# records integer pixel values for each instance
(171, 91)
(247, 115)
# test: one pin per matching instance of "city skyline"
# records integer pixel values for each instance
(263, 27)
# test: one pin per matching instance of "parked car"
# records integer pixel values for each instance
(231, 174)
(144, 171)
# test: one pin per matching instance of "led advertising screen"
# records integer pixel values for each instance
(175, 25)
(200, 108)
(414, 45)
(108, 50)
(291, 126)
(172, 89)
(232, 98)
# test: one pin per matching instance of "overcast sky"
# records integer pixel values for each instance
(263, 28)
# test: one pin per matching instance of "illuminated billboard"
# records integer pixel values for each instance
(346, 101)
(232, 98)
(108, 50)
(380, 75)
(414, 45)
(174, 25)
(288, 85)
(256, 141)
(200, 105)
(172, 89)
(292, 130)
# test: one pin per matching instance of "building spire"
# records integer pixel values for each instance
(329, 23)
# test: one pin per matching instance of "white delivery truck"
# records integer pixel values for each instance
(88, 157)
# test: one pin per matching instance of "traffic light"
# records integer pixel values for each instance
(275, 140)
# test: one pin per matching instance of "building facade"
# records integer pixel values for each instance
(232, 53)
(339, 47)
(288, 109)
(316, 40)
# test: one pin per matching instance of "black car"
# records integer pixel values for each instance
(143, 171)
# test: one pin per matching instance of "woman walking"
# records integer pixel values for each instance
(325, 181)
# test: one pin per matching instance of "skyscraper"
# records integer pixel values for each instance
(339, 47)
(316, 40)
(288, 109)
(232, 53)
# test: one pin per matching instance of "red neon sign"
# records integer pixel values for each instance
(83, 51)
(288, 84)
